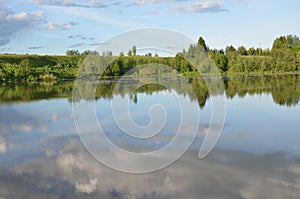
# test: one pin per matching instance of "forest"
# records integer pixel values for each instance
(283, 57)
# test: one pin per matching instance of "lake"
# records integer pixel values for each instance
(256, 156)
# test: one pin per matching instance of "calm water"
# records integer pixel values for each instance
(257, 155)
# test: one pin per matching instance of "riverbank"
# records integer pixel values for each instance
(45, 68)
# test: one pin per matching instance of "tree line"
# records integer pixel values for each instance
(284, 56)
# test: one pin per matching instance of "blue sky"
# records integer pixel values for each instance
(53, 26)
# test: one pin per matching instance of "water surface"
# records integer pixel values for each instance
(257, 156)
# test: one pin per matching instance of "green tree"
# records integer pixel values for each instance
(89, 52)
(134, 50)
(23, 69)
(129, 53)
(251, 51)
(230, 50)
(293, 42)
(259, 51)
(222, 62)
(242, 51)
(72, 53)
(280, 43)
(201, 43)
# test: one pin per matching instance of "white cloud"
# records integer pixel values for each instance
(143, 2)
(140, 2)
(26, 127)
(3, 146)
(222, 175)
(185, 6)
(71, 3)
(77, 45)
(201, 7)
(87, 188)
(243, 1)
(30, 127)
(22, 16)
(53, 26)
(18, 16)
(12, 22)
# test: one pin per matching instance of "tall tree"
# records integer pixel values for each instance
(251, 51)
(134, 50)
(280, 43)
(230, 50)
(129, 53)
(201, 43)
(242, 50)
(293, 42)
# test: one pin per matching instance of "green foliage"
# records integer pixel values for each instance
(280, 44)
(220, 59)
(23, 69)
(72, 53)
(129, 53)
(30, 68)
(90, 52)
(283, 57)
(202, 44)
(242, 51)
(134, 50)
(293, 42)
(251, 51)
(230, 50)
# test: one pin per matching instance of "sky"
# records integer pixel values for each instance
(53, 26)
